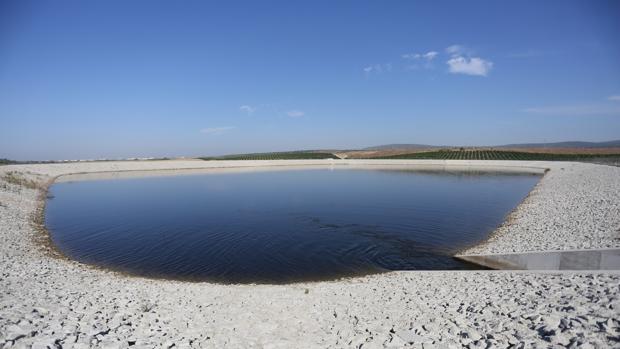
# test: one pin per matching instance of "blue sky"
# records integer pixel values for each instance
(83, 79)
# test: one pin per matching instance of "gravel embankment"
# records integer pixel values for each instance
(575, 206)
(53, 302)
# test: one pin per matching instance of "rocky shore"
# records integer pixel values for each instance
(575, 206)
(52, 302)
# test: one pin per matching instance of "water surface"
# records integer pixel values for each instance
(280, 226)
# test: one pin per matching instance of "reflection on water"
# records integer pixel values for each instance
(280, 226)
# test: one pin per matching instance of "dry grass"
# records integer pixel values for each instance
(16, 178)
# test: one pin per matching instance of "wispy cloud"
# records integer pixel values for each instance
(266, 110)
(469, 66)
(420, 60)
(216, 130)
(248, 109)
(429, 56)
(378, 68)
(615, 98)
(295, 113)
(575, 110)
(462, 61)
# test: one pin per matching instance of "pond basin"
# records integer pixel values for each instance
(280, 225)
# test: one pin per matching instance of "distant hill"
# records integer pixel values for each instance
(401, 147)
(575, 144)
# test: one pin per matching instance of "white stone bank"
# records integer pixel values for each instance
(53, 302)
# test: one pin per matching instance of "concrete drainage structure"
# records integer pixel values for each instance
(594, 259)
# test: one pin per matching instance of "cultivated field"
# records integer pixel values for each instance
(501, 155)
(434, 152)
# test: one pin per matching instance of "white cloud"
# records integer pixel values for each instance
(461, 62)
(575, 110)
(469, 66)
(248, 109)
(429, 56)
(615, 98)
(216, 130)
(420, 60)
(295, 113)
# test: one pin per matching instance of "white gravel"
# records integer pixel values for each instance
(48, 302)
(575, 206)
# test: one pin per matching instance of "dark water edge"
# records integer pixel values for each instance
(281, 226)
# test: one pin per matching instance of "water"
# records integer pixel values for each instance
(280, 226)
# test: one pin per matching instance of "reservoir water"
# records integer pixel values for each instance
(279, 226)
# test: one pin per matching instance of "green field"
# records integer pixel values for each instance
(292, 155)
(499, 155)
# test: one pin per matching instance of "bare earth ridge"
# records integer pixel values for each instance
(49, 302)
